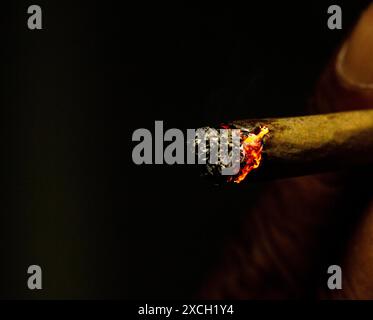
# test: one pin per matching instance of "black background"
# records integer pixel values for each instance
(73, 93)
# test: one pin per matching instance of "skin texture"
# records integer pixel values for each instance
(301, 226)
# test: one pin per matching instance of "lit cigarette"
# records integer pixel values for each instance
(309, 144)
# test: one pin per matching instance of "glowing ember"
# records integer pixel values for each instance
(251, 153)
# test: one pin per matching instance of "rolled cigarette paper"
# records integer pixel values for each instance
(312, 144)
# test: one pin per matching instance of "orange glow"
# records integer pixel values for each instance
(252, 153)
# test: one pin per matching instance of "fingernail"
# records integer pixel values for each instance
(355, 59)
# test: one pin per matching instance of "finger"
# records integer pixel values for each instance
(355, 74)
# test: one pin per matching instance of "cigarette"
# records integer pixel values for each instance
(305, 145)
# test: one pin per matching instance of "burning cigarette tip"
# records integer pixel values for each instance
(251, 152)
(243, 151)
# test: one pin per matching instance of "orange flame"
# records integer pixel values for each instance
(252, 150)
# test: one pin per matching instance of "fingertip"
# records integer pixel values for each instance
(355, 59)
